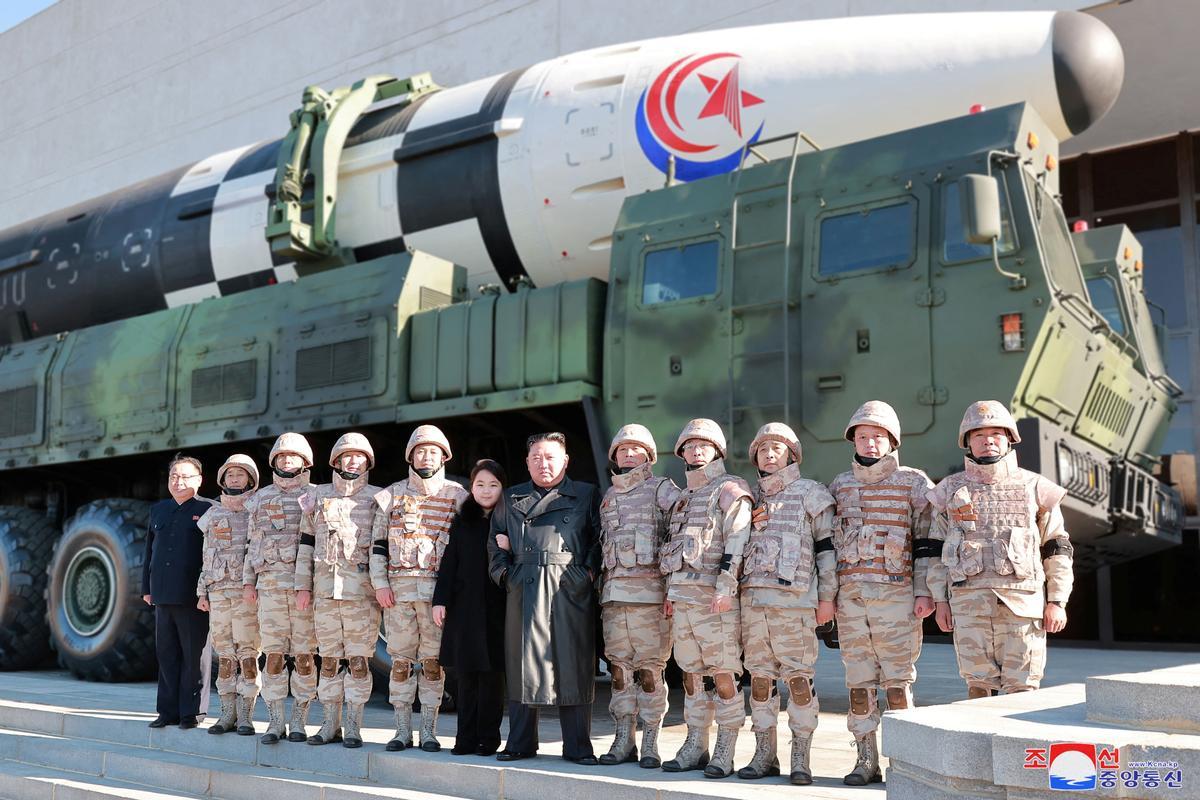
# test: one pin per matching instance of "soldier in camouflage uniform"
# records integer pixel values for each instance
(709, 527)
(334, 565)
(788, 587)
(637, 632)
(269, 580)
(411, 533)
(881, 534)
(232, 624)
(1004, 576)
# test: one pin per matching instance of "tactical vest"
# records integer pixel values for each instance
(780, 552)
(276, 517)
(418, 525)
(632, 527)
(873, 527)
(224, 547)
(342, 524)
(992, 536)
(692, 549)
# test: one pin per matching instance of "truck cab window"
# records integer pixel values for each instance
(868, 238)
(955, 247)
(680, 272)
(1106, 300)
(1062, 265)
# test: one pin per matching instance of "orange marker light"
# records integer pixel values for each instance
(1012, 333)
(1031, 141)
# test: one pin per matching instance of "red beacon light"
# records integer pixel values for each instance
(977, 108)
(1080, 226)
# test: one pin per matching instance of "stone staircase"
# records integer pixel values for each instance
(980, 748)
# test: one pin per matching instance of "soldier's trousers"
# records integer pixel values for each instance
(996, 649)
(880, 640)
(412, 637)
(637, 638)
(781, 643)
(286, 630)
(233, 625)
(708, 645)
(346, 630)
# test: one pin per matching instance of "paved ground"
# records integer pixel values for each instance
(833, 753)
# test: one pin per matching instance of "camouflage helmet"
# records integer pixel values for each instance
(634, 433)
(879, 414)
(243, 461)
(427, 434)
(704, 429)
(776, 432)
(349, 443)
(987, 414)
(295, 444)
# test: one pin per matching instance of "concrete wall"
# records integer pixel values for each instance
(101, 93)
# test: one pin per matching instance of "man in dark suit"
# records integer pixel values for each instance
(170, 571)
(545, 550)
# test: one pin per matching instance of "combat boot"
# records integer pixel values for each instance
(403, 737)
(331, 727)
(299, 718)
(693, 754)
(354, 714)
(276, 727)
(228, 720)
(721, 765)
(866, 768)
(429, 741)
(801, 772)
(245, 712)
(650, 759)
(765, 762)
(623, 747)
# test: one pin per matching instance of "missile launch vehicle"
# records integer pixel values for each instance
(774, 223)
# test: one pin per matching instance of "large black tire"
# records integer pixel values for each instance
(26, 542)
(98, 623)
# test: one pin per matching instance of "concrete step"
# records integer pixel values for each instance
(977, 748)
(1162, 699)
(21, 781)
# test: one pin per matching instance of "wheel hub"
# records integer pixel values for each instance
(89, 591)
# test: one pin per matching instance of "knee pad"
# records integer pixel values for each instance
(618, 677)
(761, 688)
(329, 667)
(860, 701)
(274, 663)
(692, 684)
(250, 667)
(726, 685)
(358, 667)
(304, 664)
(801, 688)
(974, 692)
(401, 670)
(897, 698)
(431, 669)
(645, 677)
(226, 667)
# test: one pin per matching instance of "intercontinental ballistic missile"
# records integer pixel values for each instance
(522, 175)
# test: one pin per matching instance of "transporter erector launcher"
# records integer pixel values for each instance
(522, 175)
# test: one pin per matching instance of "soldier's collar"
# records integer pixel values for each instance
(705, 475)
(881, 469)
(345, 488)
(235, 502)
(426, 486)
(637, 475)
(992, 473)
(291, 484)
(779, 480)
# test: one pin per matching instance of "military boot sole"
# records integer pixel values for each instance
(245, 730)
(396, 745)
(609, 760)
(351, 743)
(749, 774)
(675, 766)
(296, 736)
(650, 762)
(318, 739)
(715, 772)
(854, 779)
(269, 738)
(431, 747)
(801, 779)
(218, 729)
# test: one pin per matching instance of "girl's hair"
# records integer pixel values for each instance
(486, 464)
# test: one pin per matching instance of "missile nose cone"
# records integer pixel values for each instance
(1089, 68)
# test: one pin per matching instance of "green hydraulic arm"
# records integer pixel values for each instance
(312, 150)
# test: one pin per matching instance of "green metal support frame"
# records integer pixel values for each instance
(313, 148)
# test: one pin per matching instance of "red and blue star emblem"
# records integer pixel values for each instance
(662, 128)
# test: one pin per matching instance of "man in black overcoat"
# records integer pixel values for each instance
(545, 550)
